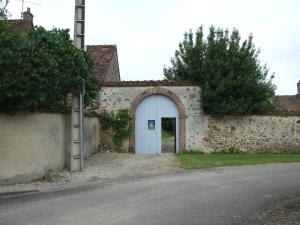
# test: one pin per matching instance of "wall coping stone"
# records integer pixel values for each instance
(148, 83)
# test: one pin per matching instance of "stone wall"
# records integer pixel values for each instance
(206, 133)
(120, 95)
(253, 133)
(31, 144)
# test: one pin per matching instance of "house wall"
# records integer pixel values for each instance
(113, 73)
(31, 144)
(254, 133)
(116, 98)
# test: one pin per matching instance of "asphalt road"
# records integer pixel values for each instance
(232, 195)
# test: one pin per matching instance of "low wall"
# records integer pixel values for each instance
(253, 133)
(204, 132)
(31, 144)
(91, 135)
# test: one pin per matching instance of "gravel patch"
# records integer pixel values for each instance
(104, 166)
(285, 212)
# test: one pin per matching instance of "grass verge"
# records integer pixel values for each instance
(199, 161)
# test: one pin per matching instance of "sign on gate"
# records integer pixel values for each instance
(151, 124)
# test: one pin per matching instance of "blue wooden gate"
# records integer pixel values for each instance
(148, 123)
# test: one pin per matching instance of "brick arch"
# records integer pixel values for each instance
(174, 98)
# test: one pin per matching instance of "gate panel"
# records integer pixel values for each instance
(148, 123)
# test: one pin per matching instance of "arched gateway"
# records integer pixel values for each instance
(148, 111)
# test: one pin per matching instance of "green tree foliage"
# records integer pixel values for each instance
(38, 69)
(229, 72)
(3, 14)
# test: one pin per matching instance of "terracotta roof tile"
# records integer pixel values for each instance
(21, 25)
(288, 102)
(102, 55)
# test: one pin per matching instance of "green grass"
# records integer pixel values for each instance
(199, 161)
(166, 135)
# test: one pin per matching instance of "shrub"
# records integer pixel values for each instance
(39, 68)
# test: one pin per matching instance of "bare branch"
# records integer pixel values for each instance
(5, 3)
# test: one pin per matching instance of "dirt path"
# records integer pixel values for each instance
(103, 167)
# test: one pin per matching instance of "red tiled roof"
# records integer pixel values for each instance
(21, 25)
(288, 102)
(102, 55)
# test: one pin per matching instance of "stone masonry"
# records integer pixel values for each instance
(120, 95)
(203, 132)
(254, 133)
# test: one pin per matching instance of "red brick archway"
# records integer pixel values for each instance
(176, 100)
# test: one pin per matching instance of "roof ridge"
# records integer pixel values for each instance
(106, 45)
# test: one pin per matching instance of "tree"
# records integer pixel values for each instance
(231, 78)
(39, 68)
(3, 10)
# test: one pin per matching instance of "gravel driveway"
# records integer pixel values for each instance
(104, 166)
(283, 212)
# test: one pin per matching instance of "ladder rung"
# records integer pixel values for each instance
(76, 109)
(76, 141)
(76, 156)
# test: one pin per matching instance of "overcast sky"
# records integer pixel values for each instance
(147, 32)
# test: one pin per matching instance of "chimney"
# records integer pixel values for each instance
(298, 88)
(28, 15)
